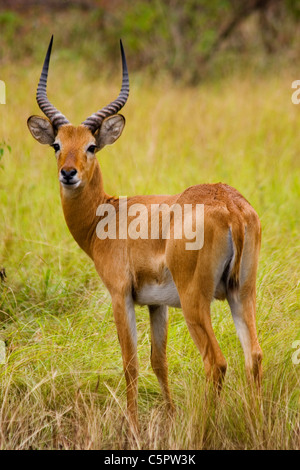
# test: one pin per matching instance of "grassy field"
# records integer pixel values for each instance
(62, 385)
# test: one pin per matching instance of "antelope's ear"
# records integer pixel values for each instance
(110, 130)
(41, 129)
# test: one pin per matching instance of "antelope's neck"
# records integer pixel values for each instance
(80, 208)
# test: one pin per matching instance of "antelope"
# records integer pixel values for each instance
(157, 272)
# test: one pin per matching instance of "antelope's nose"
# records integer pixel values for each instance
(68, 175)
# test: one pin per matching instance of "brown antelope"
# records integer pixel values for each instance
(160, 271)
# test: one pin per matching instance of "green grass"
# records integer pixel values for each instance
(62, 385)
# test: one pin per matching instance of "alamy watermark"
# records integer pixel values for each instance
(2, 352)
(2, 92)
(296, 95)
(296, 354)
(296, 100)
(153, 221)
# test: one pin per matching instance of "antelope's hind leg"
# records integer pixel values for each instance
(195, 282)
(159, 332)
(243, 313)
(197, 315)
(243, 309)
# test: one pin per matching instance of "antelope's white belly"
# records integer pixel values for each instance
(154, 293)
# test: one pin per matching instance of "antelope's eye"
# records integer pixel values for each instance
(56, 147)
(92, 148)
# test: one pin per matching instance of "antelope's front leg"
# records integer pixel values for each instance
(124, 315)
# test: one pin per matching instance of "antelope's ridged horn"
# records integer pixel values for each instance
(55, 116)
(95, 120)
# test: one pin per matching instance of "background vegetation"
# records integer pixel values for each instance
(199, 111)
(189, 40)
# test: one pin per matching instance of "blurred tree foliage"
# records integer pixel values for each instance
(184, 38)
